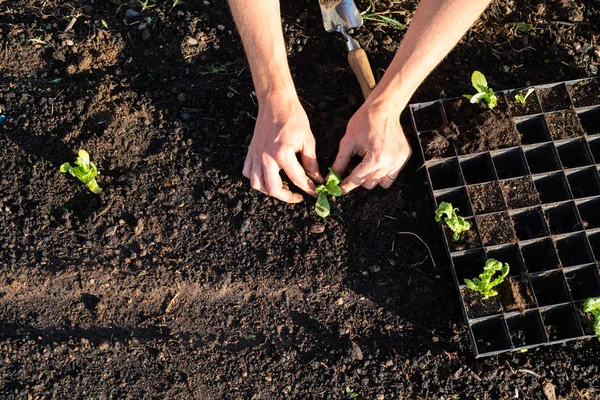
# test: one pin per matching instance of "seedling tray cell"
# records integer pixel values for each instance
(531, 192)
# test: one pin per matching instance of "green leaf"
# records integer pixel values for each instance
(491, 99)
(484, 284)
(468, 96)
(322, 207)
(321, 189)
(477, 98)
(455, 222)
(334, 177)
(85, 171)
(104, 24)
(479, 82)
(333, 189)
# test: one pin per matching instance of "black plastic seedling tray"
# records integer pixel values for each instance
(533, 200)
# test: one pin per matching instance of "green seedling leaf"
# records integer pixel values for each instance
(479, 82)
(522, 26)
(455, 222)
(104, 24)
(322, 207)
(330, 188)
(85, 171)
(486, 281)
(484, 93)
(592, 306)
(522, 98)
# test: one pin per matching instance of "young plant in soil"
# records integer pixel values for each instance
(331, 187)
(85, 171)
(484, 93)
(522, 98)
(484, 284)
(454, 221)
(592, 306)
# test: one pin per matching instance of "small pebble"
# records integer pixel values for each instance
(220, 27)
(203, 217)
(131, 13)
(190, 40)
(111, 231)
(317, 228)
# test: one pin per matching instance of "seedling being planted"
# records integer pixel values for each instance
(454, 221)
(484, 93)
(484, 284)
(522, 98)
(85, 171)
(331, 187)
(593, 306)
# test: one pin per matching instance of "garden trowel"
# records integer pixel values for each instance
(339, 16)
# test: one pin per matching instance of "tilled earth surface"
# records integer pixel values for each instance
(179, 281)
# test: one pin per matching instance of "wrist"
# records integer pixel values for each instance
(390, 107)
(276, 94)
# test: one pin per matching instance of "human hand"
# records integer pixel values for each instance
(282, 130)
(376, 135)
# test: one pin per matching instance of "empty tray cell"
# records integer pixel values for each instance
(540, 256)
(428, 116)
(468, 265)
(554, 98)
(531, 106)
(477, 306)
(445, 174)
(530, 224)
(526, 329)
(589, 211)
(594, 239)
(552, 188)
(542, 158)
(458, 198)
(510, 254)
(496, 229)
(563, 219)
(594, 144)
(438, 144)
(590, 120)
(520, 193)
(467, 240)
(584, 183)
(586, 319)
(486, 198)
(583, 282)
(478, 169)
(574, 154)
(584, 93)
(510, 164)
(550, 288)
(562, 323)
(564, 125)
(534, 130)
(491, 336)
(574, 250)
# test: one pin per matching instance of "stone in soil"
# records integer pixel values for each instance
(564, 125)
(486, 198)
(520, 193)
(496, 229)
(515, 294)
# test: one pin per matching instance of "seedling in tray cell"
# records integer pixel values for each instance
(592, 306)
(488, 279)
(484, 93)
(521, 97)
(454, 221)
(85, 171)
(331, 187)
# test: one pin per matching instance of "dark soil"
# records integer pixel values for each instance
(532, 105)
(564, 125)
(496, 229)
(486, 198)
(554, 98)
(179, 281)
(468, 240)
(438, 144)
(585, 93)
(520, 193)
(489, 132)
(587, 321)
(462, 112)
(477, 306)
(515, 294)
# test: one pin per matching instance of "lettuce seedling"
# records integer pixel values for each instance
(522, 98)
(85, 171)
(484, 93)
(593, 306)
(484, 283)
(454, 221)
(331, 187)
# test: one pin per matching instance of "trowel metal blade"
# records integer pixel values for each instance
(344, 14)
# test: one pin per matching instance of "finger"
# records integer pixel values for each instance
(374, 180)
(275, 185)
(297, 175)
(310, 163)
(247, 167)
(360, 174)
(342, 159)
(257, 181)
(391, 176)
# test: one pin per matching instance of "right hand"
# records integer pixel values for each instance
(282, 130)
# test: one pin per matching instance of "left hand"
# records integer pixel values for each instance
(376, 135)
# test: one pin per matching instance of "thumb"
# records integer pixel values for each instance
(310, 163)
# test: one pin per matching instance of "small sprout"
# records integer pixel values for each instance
(85, 171)
(331, 187)
(176, 3)
(104, 24)
(484, 93)
(145, 4)
(522, 98)
(454, 221)
(592, 305)
(522, 26)
(484, 284)
(443, 94)
(349, 393)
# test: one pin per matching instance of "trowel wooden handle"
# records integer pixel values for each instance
(359, 62)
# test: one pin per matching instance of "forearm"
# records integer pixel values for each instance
(259, 25)
(436, 28)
